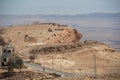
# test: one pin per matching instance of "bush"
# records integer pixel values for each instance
(2, 41)
(55, 75)
(18, 63)
(2, 31)
(32, 58)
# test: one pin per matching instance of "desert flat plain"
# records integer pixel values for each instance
(59, 47)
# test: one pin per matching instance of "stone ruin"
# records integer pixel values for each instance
(28, 38)
(68, 35)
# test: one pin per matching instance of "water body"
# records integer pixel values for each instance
(102, 27)
(108, 35)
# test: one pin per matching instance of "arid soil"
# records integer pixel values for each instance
(26, 75)
(24, 37)
(60, 48)
(78, 57)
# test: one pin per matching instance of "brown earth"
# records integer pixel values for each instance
(77, 57)
(23, 37)
(27, 75)
(58, 47)
(68, 35)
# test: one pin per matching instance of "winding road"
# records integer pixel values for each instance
(37, 67)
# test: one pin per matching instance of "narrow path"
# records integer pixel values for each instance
(37, 67)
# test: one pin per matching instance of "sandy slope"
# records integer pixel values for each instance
(74, 60)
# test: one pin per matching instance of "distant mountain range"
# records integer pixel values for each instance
(104, 27)
(79, 19)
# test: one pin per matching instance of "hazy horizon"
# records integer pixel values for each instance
(60, 14)
(90, 25)
(63, 7)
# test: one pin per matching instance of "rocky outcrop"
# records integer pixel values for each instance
(66, 36)
(62, 48)
(28, 75)
(28, 38)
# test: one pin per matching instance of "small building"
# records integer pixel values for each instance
(7, 55)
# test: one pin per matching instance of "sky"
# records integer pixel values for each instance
(23, 7)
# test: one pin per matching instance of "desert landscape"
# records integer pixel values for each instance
(59, 40)
(58, 49)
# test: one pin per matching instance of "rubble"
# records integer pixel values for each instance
(66, 36)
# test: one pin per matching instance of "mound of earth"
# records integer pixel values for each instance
(68, 35)
(76, 57)
(33, 35)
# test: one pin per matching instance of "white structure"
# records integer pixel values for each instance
(7, 55)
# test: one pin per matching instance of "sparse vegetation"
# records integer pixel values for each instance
(18, 63)
(32, 57)
(67, 57)
(2, 41)
(50, 30)
(56, 75)
(10, 66)
(2, 30)
(26, 75)
(19, 32)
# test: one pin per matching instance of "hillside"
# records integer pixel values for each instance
(59, 47)
(75, 56)
(23, 37)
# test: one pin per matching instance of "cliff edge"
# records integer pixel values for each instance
(68, 35)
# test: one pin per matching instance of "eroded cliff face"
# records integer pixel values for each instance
(72, 47)
(77, 55)
(68, 35)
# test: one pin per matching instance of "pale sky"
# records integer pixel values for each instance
(21, 7)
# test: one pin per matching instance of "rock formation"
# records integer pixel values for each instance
(66, 36)
(62, 48)
(28, 38)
